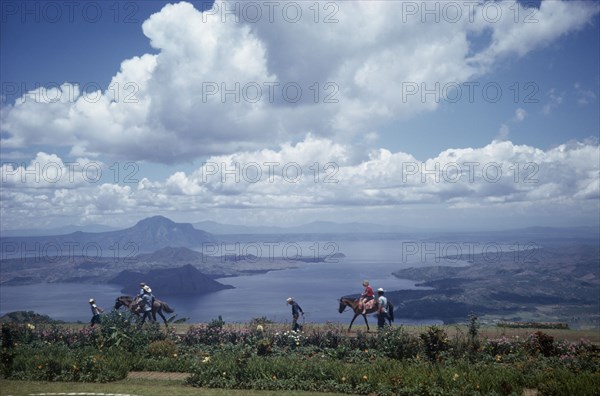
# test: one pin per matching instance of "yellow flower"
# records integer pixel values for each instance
(174, 355)
(206, 360)
(274, 377)
(224, 373)
(455, 377)
(343, 379)
(30, 326)
(259, 328)
(498, 358)
(365, 377)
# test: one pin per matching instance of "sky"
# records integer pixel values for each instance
(453, 115)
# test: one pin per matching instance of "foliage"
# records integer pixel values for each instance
(435, 341)
(323, 358)
(262, 320)
(27, 317)
(396, 343)
(162, 349)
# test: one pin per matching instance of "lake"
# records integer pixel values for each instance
(316, 286)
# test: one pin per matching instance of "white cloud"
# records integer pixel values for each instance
(520, 115)
(554, 100)
(172, 106)
(318, 177)
(584, 96)
(503, 132)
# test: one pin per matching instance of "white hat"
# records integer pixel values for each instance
(147, 289)
(289, 299)
(380, 290)
(92, 300)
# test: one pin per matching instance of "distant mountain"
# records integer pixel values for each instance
(316, 227)
(171, 254)
(68, 229)
(147, 235)
(171, 281)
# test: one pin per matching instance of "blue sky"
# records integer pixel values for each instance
(369, 57)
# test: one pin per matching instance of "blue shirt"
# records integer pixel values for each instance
(147, 301)
(296, 309)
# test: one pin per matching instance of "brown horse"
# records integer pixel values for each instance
(134, 307)
(353, 303)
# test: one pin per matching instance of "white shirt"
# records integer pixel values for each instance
(382, 301)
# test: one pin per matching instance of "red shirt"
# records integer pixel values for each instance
(368, 292)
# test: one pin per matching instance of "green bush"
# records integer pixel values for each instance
(435, 341)
(162, 348)
(396, 343)
(59, 363)
(325, 359)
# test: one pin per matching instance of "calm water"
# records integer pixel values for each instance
(316, 287)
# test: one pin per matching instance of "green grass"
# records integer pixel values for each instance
(133, 387)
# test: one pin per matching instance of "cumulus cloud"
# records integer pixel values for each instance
(219, 86)
(317, 175)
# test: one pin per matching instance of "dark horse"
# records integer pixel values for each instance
(157, 307)
(353, 303)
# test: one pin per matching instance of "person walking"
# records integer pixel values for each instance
(96, 311)
(296, 311)
(147, 300)
(382, 308)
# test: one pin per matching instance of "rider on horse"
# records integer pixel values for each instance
(366, 296)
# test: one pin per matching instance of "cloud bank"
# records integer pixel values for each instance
(314, 176)
(219, 85)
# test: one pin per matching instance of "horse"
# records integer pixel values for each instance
(354, 304)
(157, 307)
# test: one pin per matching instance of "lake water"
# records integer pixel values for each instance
(316, 287)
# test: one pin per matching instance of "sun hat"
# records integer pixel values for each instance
(381, 290)
(147, 289)
(92, 300)
(289, 299)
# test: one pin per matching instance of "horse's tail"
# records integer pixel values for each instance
(391, 311)
(166, 307)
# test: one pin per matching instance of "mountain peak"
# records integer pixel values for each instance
(155, 220)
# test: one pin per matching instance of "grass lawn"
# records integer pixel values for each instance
(130, 387)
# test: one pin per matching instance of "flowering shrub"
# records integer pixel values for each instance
(435, 341)
(540, 342)
(396, 343)
(324, 358)
(162, 348)
(214, 335)
(290, 339)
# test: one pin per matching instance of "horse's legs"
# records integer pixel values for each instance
(366, 322)
(355, 316)
(163, 317)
